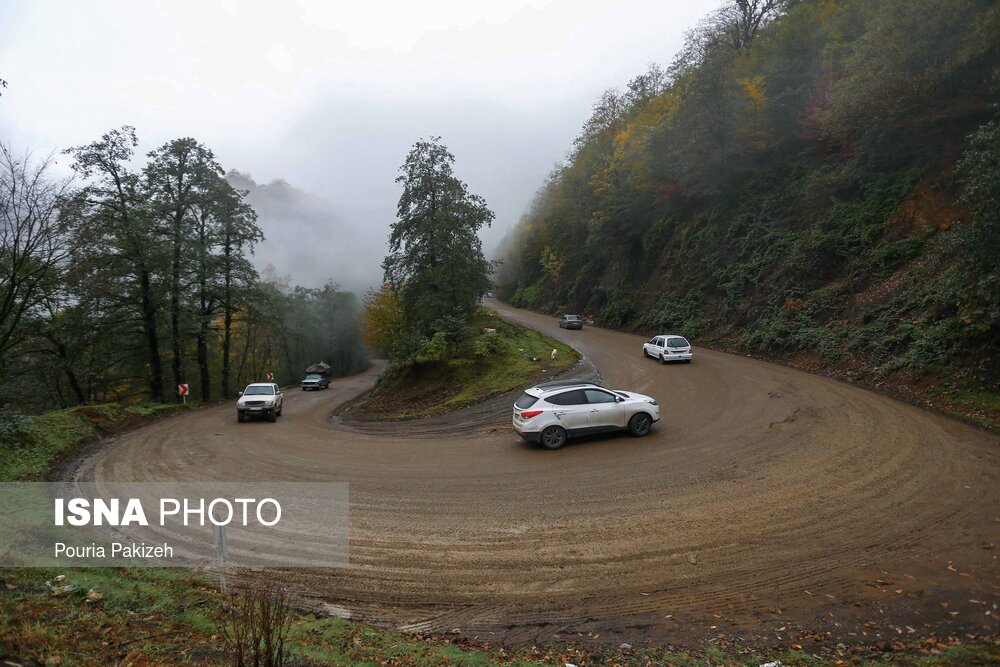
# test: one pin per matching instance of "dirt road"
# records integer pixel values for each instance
(765, 503)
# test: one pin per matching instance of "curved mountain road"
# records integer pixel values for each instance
(766, 501)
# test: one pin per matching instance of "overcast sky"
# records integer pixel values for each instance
(330, 96)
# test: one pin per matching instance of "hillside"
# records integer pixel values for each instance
(824, 190)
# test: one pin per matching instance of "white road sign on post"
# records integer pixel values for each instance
(182, 391)
(270, 377)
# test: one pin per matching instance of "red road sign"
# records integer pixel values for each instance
(270, 377)
(182, 390)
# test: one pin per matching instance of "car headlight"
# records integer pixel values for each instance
(652, 400)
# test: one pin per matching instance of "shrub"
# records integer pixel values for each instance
(255, 625)
(489, 344)
(434, 348)
(14, 428)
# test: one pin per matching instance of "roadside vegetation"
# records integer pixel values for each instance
(135, 277)
(811, 181)
(30, 445)
(493, 357)
(169, 617)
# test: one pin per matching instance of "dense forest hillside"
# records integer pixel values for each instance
(814, 180)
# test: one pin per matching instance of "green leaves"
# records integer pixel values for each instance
(435, 263)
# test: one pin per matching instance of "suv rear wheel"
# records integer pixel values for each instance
(553, 437)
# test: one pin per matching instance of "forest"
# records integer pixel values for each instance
(131, 277)
(814, 180)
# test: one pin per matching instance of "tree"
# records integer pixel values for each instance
(239, 233)
(182, 180)
(744, 18)
(382, 320)
(120, 236)
(435, 259)
(35, 241)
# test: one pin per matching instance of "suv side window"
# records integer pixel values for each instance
(575, 397)
(598, 396)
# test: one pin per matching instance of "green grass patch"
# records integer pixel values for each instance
(158, 616)
(30, 445)
(496, 357)
(979, 406)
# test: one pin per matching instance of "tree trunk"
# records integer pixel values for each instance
(227, 326)
(203, 332)
(152, 339)
(175, 305)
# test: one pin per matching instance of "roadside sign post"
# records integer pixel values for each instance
(182, 390)
(221, 552)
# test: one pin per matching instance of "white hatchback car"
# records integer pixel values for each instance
(552, 412)
(668, 347)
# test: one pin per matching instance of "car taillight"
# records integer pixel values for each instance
(530, 413)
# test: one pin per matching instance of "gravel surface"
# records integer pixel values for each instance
(768, 504)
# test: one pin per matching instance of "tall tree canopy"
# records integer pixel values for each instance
(134, 271)
(436, 262)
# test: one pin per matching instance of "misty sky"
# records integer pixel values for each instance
(329, 96)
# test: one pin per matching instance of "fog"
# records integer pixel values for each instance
(316, 104)
(309, 241)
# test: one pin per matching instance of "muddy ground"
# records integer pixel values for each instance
(768, 504)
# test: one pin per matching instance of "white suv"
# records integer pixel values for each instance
(668, 347)
(552, 412)
(260, 398)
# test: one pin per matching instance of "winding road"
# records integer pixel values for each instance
(767, 501)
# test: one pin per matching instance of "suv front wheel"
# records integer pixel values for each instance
(640, 424)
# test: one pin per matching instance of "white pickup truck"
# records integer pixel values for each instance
(260, 399)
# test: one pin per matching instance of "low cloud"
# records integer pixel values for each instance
(308, 239)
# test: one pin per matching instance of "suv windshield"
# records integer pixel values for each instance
(571, 317)
(259, 391)
(677, 342)
(314, 376)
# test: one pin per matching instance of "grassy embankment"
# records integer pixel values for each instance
(485, 365)
(167, 617)
(31, 445)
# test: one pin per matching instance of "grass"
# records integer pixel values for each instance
(979, 406)
(156, 616)
(513, 357)
(45, 439)
(168, 617)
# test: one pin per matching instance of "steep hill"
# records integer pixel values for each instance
(824, 189)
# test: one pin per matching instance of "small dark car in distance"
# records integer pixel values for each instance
(570, 322)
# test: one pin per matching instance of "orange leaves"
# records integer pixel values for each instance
(382, 319)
